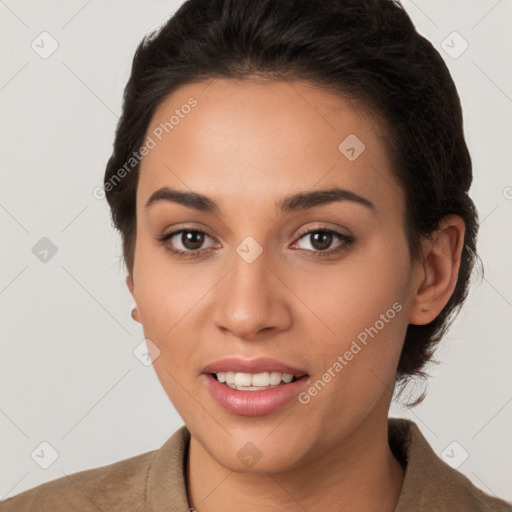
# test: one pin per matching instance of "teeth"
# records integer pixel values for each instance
(260, 379)
(253, 381)
(243, 379)
(275, 378)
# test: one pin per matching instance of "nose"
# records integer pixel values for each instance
(251, 300)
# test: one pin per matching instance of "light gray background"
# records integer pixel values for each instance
(68, 373)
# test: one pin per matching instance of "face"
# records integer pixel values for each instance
(318, 286)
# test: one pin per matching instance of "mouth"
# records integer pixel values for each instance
(253, 387)
(254, 381)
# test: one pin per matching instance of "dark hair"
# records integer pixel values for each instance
(367, 50)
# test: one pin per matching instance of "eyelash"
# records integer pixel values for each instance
(346, 242)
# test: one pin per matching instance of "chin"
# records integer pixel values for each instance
(250, 460)
(257, 449)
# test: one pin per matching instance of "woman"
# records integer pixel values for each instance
(290, 179)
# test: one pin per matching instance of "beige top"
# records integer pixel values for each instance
(155, 482)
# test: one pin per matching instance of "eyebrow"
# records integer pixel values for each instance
(296, 202)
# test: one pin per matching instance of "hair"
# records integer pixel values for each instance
(366, 50)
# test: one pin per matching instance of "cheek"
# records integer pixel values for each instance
(364, 289)
(165, 292)
(166, 299)
(364, 307)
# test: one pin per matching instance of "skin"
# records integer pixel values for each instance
(246, 145)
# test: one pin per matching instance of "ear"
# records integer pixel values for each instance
(131, 286)
(437, 270)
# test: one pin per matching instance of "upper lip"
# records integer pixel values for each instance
(260, 365)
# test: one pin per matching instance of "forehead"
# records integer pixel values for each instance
(239, 140)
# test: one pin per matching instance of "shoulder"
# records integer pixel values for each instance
(115, 487)
(151, 481)
(430, 483)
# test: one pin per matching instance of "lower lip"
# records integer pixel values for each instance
(254, 403)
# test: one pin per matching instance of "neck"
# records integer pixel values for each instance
(361, 473)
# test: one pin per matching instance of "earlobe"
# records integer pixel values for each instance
(135, 314)
(439, 270)
(130, 285)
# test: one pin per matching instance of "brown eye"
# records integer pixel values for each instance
(192, 240)
(321, 240)
(186, 243)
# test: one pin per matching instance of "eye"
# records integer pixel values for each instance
(319, 241)
(186, 243)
